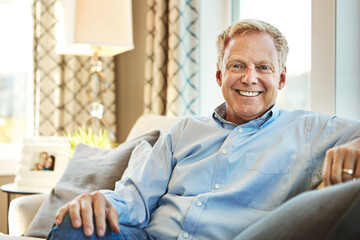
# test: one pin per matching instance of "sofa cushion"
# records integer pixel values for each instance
(89, 169)
(148, 122)
(8, 237)
(329, 213)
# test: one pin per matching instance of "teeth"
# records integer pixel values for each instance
(248, 94)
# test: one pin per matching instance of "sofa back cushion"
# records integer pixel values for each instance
(147, 123)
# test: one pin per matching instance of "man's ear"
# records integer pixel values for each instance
(282, 79)
(218, 77)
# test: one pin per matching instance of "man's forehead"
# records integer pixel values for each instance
(239, 58)
(259, 47)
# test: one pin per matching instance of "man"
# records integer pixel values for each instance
(211, 178)
(41, 163)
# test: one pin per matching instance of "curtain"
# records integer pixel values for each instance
(171, 66)
(60, 82)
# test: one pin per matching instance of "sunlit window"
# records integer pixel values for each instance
(15, 69)
(293, 19)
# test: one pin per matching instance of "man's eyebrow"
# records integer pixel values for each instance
(265, 63)
(238, 59)
(234, 58)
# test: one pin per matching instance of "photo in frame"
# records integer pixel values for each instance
(43, 160)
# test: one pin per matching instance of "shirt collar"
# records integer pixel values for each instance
(220, 114)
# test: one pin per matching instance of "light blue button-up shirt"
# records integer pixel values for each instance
(210, 179)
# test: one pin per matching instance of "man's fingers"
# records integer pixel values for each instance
(357, 166)
(88, 210)
(104, 211)
(327, 168)
(336, 169)
(74, 212)
(349, 165)
(99, 203)
(341, 164)
(113, 218)
(87, 214)
(60, 214)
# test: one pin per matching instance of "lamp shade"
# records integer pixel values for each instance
(104, 24)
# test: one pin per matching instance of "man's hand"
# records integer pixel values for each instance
(87, 206)
(342, 163)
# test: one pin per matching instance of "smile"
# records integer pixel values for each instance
(248, 94)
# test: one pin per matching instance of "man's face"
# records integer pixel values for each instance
(250, 76)
(43, 157)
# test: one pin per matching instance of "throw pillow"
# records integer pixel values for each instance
(89, 169)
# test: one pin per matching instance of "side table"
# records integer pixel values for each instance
(12, 188)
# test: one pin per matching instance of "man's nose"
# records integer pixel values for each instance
(250, 76)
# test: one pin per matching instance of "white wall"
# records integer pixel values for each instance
(214, 18)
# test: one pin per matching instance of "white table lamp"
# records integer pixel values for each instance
(94, 28)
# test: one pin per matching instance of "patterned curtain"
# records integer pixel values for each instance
(61, 103)
(171, 67)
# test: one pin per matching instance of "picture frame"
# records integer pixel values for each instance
(43, 161)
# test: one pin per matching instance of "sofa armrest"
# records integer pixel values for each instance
(21, 212)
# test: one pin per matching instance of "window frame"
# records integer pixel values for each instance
(334, 64)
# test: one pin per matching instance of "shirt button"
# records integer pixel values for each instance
(241, 130)
(224, 151)
(186, 235)
(198, 203)
(217, 186)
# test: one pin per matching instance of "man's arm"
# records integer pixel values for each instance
(134, 196)
(343, 157)
(84, 207)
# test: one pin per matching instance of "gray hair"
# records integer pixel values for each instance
(247, 26)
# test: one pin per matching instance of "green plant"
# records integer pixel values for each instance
(87, 136)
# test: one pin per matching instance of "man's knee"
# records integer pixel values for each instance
(66, 231)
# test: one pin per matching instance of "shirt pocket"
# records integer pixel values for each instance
(266, 180)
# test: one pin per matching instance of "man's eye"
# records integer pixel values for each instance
(237, 66)
(264, 68)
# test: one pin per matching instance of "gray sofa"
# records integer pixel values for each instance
(328, 213)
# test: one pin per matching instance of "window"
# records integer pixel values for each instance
(328, 33)
(293, 19)
(15, 70)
